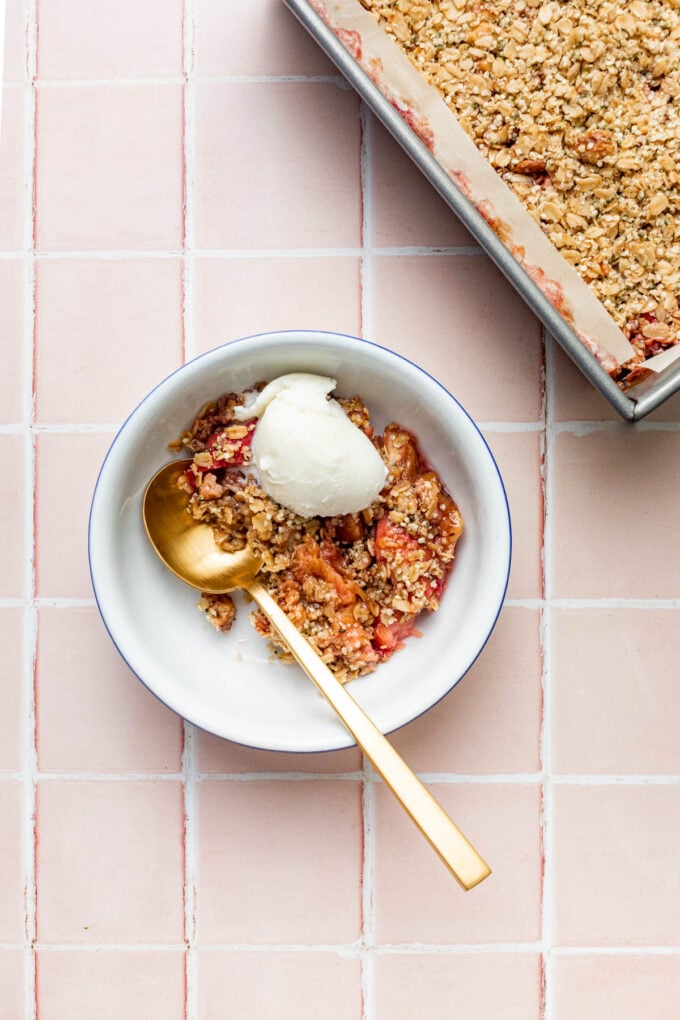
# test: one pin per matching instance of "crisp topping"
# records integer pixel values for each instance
(575, 104)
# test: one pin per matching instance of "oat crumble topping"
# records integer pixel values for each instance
(353, 584)
(575, 104)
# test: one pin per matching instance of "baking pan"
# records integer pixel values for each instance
(414, 114)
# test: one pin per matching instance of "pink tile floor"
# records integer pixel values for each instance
(174, 175)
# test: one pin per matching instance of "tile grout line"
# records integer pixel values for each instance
(372, 778)
(367, 788)
(493, 426)
(352, 949)
(30, 834)
(577, 428)
(541, 607)
(189, 892)
(187, 178)
(548, 877)
(61, 429)
(367, 936)
(366, 219)
(234, 79)
(64, 602)
(344, 950)
(332, 252)
(189, 747)
(441, 778)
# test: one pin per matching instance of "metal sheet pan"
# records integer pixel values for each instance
(631, 405)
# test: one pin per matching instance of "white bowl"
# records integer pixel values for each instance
(227, 684)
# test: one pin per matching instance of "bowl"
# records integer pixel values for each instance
(228, 684)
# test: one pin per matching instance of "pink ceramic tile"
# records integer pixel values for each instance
(607, 987)
(93, 714)
(12, 551)
(491, 720)
(277, 166)
(616, 877)
(221, 756)
(11, 666)
(11, 861)
(405, 209)
(12, 966)
(478, 986)
(518, 455)
(110, 861)
(15, 62)
(109, 984)
(133, 308)
(62, 510)
(303, 293)
(270, 41)
(278, 861)
(614, 523)
(298, 986)
(109, 167)
(13, 176)
(576, 399)
(417, 900)
(616, 700)
(11, 329)
(462, 322)
(97, 39)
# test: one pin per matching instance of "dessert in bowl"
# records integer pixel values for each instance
(231, 684)
(354, 531)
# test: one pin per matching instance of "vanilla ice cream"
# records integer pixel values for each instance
(309, 456)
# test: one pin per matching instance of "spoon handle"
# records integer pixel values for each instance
(457, 853)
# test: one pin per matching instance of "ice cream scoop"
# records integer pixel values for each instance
(309, 455)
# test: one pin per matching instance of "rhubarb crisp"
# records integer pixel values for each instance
(353, 584)
(576, 105)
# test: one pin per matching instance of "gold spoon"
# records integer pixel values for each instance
(189, 549)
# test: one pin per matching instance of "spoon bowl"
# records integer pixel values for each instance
(186, 546)
(189, 549)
